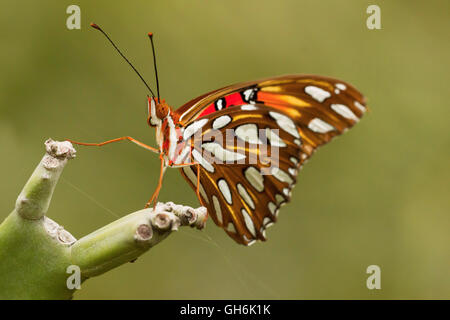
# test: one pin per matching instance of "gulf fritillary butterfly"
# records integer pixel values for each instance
(295, 113)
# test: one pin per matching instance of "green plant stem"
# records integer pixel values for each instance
(125, 239)
(35, 252)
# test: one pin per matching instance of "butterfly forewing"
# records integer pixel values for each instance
(287, 118)
(284, 91)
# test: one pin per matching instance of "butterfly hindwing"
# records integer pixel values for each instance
(243, 191)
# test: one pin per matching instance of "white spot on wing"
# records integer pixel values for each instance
(360, 106)
(248, 132)
(255, 178)
(248, 94)
(263, 231)
(221, 153)
(248, 107)
(285, 123)
(274, 139)
(341, 86)
(231, 228)
(219, 104)
(272, 207)
(281, 175)
(244, 194)
(225, 189)
(217, 208)
(317, 93)
(344, 111)
(221, 122)
(193, 127)
(320, 126)
(249, 222)
(280, 199)
(267, 222)
(205, 164)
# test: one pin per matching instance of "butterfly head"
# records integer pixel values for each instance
(157, 111)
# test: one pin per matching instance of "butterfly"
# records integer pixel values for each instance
(217, 142)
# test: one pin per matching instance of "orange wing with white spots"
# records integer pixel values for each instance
(251, 139)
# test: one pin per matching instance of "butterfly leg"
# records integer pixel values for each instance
(154, 197)
(197, 190)
(140, 144)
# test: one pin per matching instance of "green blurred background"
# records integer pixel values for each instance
(378, 195)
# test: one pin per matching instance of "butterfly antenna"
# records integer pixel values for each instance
(150, 35)
(93, 25)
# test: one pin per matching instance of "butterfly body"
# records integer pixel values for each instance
(161, 116)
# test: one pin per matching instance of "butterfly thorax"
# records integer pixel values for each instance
(161, 116)
(169, 135)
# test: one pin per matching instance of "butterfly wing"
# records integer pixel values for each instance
(288, 90)
(289, 117)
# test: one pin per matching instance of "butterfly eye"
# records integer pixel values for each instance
(162, 111)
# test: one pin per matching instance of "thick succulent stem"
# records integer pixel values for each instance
(127, 238)
(37, 256)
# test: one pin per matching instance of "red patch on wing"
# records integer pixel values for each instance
(234, 99)
(210, 109)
